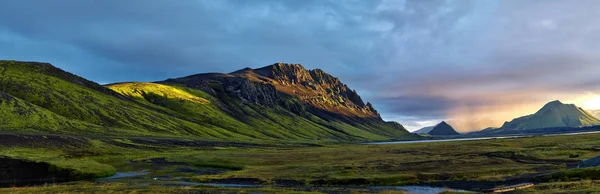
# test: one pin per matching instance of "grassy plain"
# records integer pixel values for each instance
(469, 165)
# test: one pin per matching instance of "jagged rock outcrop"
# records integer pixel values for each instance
(257, 93)
(315, 87)
(269, 85)
(244, 89)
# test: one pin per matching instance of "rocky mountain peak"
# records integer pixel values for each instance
(316, 87)
(285, 73)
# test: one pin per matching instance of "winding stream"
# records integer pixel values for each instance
(145, 178)
(158, 172)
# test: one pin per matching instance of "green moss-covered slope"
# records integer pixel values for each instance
(60, 102)
(19, 115)
(84, 101)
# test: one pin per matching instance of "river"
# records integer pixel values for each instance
(475, 138)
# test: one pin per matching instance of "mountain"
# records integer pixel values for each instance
(274, 103)
(317, 102)
(553, 114)
(270, 84)
(443, 129)
(424, 130)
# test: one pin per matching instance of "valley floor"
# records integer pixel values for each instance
(175, 165)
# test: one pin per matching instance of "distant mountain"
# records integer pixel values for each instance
(490, 129)
(443, 129)
(553, 114)
(424, 130)
(278, 102)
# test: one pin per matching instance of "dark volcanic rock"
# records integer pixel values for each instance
(271, 84)
(443, 129)
(244, 89)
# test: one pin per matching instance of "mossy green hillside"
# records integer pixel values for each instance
(249, 119)
(144, 89)
(81, 168)
(78, 99)
(170, 110)
(19, 115)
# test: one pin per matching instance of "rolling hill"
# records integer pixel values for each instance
(22, 116)
(81, 100)
(553, 114)
(276, 102)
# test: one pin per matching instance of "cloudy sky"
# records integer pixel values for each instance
(477, 63)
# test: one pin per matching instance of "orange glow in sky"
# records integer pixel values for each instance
(590, 101)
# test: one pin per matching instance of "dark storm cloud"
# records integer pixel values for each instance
(188, 36)
(418, 61)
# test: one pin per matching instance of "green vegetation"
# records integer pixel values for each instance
(37, 97)
(90, 187)
(83, 168)
(492, 160)
(78, 99)
(472, 162)
(254, 121)
(586, 186)
(572, 175)
(94, 131)
(19, 115)
(142, 90)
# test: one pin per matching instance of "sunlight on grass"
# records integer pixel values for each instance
(142, 89)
